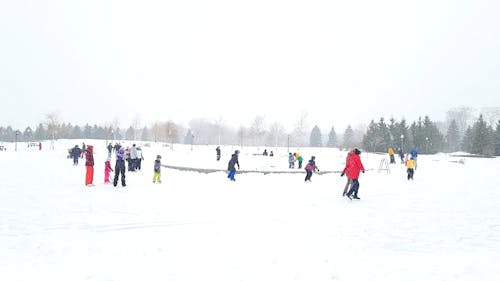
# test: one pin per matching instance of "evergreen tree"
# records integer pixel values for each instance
(482, 138)
(497, 139)
(348, 137)
(372, 139)
(315, 138)
(332, 138)
(384, 135)
(130, 133)
(467, 140)
(40, 133)
(433, 139)
(453, 137)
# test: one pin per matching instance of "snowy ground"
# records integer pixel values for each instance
(444, 225)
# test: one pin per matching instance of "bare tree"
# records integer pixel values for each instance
(299, 133)
(257, 131)
(276, 134)
(491, 115)
(136, 125)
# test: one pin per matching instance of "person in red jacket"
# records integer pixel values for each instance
(349, 181)
(354, 166)
(89, 165)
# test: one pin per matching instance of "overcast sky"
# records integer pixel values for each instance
(342, 62)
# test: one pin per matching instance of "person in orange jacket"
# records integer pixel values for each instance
(390, 151)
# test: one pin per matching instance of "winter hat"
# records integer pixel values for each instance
(357, 151)
(158, 156)
(90, 147)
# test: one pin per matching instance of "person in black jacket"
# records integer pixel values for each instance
(231, 165)
(218, 152)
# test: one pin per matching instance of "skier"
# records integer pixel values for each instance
(231, 165)
(120, 167)
(310, 168)
(89, 164)
(354, 166)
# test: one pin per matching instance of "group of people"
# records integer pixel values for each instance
(121, 156)
(410, 160)
(292, 157)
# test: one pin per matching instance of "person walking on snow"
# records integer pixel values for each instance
(349, 181)
(231, 166)
(310, 168)
(410, 168)
(120, 167)
(157, 174)
(89, 165)
(107, 170)
(390, 151)
(353, 168)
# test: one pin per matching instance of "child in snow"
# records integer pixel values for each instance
(107, 170)
(157, 174)
(291, 161)
(310, 168)
(231, 166)
(89, 165)
(410, 165)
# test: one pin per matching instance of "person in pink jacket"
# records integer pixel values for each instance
(107, 170)
(354, 166)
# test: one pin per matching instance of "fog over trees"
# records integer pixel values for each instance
(465, 129)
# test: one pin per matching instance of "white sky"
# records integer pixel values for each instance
(95, 61)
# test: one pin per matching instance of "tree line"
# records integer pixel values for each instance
(479, 137)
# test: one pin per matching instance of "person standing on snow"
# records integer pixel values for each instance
(231, 165)
(390, 151)
(354, 166)
(349, 181)
(300, 159)
(291, 161)
(75, 153)
(157, 167)
(310, 168)
(410, 166)
(120, 167)
(107, 170)
(218, 152)
(89, 165)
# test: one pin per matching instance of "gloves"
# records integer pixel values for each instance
(363, 171)
(342, 174)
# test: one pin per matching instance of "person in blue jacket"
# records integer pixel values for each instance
(231, 165)
(413, 155)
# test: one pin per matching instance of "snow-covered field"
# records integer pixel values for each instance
(444, 225)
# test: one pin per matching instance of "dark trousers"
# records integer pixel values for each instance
(75, 160)
(308, 175)
(119, 169)
(354, 188)
(410, 172)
